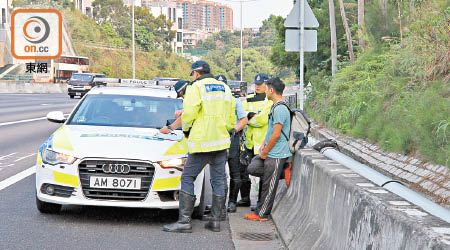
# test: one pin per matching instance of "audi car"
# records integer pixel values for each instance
(109, 152)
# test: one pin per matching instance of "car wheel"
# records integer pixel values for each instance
(71, 96)
(200, 210)
(47, 208)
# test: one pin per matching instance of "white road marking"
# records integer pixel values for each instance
(8, 165)
(15, 178)
(22, 121)
(27, 120)
(21, 158)
(5, 156)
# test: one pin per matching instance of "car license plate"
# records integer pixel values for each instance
(78, 93)
(114, 182)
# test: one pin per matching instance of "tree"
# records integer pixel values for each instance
(361, 23)
(333, 37)
(347, 32)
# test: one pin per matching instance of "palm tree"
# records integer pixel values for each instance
(347, 32)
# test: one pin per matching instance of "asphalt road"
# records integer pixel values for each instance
(23, 128)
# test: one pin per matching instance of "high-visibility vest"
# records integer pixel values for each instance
(209, 115)
(257, 126)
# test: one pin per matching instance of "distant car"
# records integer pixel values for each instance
(109, 152)
(166, 81)
(238, 88)
(80, 83)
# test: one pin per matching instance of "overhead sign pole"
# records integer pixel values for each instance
(302, 50)
(301, 17)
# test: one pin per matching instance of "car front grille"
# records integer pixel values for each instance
(142, 170)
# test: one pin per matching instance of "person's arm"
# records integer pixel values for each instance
(176, 124)
(241, 124)
(272, 140)
(241, 115)
(261, 119)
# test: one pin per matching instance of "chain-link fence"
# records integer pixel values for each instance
(292, 100)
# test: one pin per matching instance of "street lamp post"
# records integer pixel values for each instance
(241, 1)
(132, 34)
(242, 67)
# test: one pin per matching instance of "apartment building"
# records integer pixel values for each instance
(4, 13)
(84, 6)
(200, 18)
(172, 13)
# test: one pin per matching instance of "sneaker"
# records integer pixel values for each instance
(253, 216)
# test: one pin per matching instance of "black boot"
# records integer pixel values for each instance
(183, 225)
(218, 202)
(234, 190)
(245, 194)
(223, 213)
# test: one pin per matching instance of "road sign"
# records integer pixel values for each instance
(294, 16)
(293, 40)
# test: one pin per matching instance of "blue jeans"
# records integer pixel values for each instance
(194, 165)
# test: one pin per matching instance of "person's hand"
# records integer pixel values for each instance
(164, 130)
(261, 149)
(250, 115)
(233, 132)
(263, 155)
(178, 113)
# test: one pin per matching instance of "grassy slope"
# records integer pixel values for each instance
(397, 95)
(117, 63)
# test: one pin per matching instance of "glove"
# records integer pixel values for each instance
(250, 115)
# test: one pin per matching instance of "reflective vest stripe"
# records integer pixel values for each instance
(216, 97)
(215, 143)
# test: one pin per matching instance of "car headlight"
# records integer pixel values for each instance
(88, 87)
(173, 163)
(53, 158)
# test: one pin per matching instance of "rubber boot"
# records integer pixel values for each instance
(183, 225)
(245, 194)
(223, 213)
(234, 190)
(218, 202)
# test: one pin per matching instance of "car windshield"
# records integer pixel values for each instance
(125, 111)
(234, 83)
(81, 77)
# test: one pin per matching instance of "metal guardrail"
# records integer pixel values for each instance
(17, 77)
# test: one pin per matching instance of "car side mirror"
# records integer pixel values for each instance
(56, 117)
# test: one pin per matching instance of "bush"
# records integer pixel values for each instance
(396, 95)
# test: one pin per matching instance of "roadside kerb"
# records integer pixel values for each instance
(328, 206)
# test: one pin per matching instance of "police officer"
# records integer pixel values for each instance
(233, 156)
(180, 87)
(258, 107)
(207, 121)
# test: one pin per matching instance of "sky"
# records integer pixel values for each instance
(256, 11)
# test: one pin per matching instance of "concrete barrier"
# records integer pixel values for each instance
(328, 206)
(35, 88)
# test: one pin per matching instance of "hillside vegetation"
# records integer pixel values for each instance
(107, 40)
(92, 40)
(397, 93)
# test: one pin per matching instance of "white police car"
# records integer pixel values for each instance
(109, 152)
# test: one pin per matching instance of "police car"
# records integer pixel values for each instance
(109, 152)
